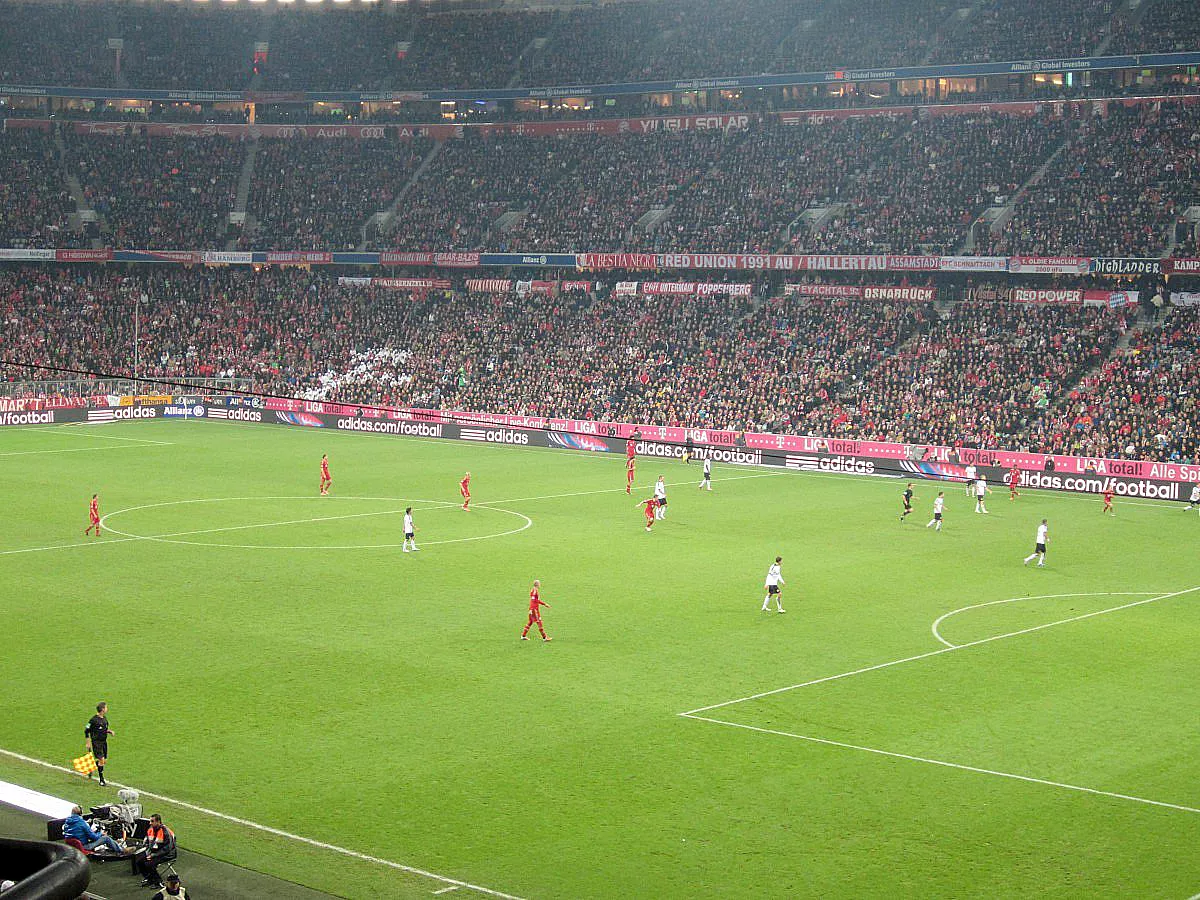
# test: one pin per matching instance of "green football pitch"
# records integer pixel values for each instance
(298, 696)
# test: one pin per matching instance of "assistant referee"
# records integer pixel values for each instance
(95, 737)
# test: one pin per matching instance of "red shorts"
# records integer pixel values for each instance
(465, 492)
(95, 520)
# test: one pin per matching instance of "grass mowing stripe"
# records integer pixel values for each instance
(950, 765)
(277, 832)
(939, 651)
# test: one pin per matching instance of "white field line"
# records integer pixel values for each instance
(495, 503)
(621, 490)
(92, 543)
(77, 450)
(267, 829)
(173, 534)
(954, 612)
(78, 430)
(446, 890)
(589, 454)
(944, 763)
(979, 643)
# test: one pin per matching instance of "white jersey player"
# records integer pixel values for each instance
(1039, 547)
(939, 506)
(706, 479)
(1194, 500)
(981, 492)
(410, 531)
(773, 583)
(660, 498)
(970, 480)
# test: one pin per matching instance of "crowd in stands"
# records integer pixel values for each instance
(1114, 185)
(186, 46)
(320, 193)
(1002, 30)
(393, 47)
(34, 201)
(923, 184)
(46, 43)
(471, 183)
(976, 376)
(1143, 403)
(979, 373)
(451, 51)
(1116, 188)
(334, 48)
(871, 33)
(158, 192)
(606, 186)
(1162, 26)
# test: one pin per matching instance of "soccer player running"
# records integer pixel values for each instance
(1194, 500)
(535, 613)
(95, 737)
(706, 478)
(1108, 506)
(630, 471)
(1014, 479)
(981, 492)
(939, 506)
(773, 584)
(93, 516)
(906, 498)
(410, 530)
(1039, 548)
(464, 488)
(650, 508)
(326, 481)
(660, 497)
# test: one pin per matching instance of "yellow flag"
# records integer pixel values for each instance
(85, 765)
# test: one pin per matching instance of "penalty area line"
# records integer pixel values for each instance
(691, 713)
(949, 765)
(278, 832)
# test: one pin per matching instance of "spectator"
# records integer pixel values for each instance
(157, 847)
(75, 826)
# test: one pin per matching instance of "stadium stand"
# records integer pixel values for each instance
(156, 191)
(212, 46)
(986, 374)
(1141, 403)
(1115, 189)
(318, 194)
(35, 204)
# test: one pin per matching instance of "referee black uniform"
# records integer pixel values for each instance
(96, 733)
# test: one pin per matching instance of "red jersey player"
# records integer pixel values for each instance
(649, 507)
(1014, 479)
(535, 612)
(464, 488)
(326, 481)
(94, 516)
(630, 466)
(1108, 507)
